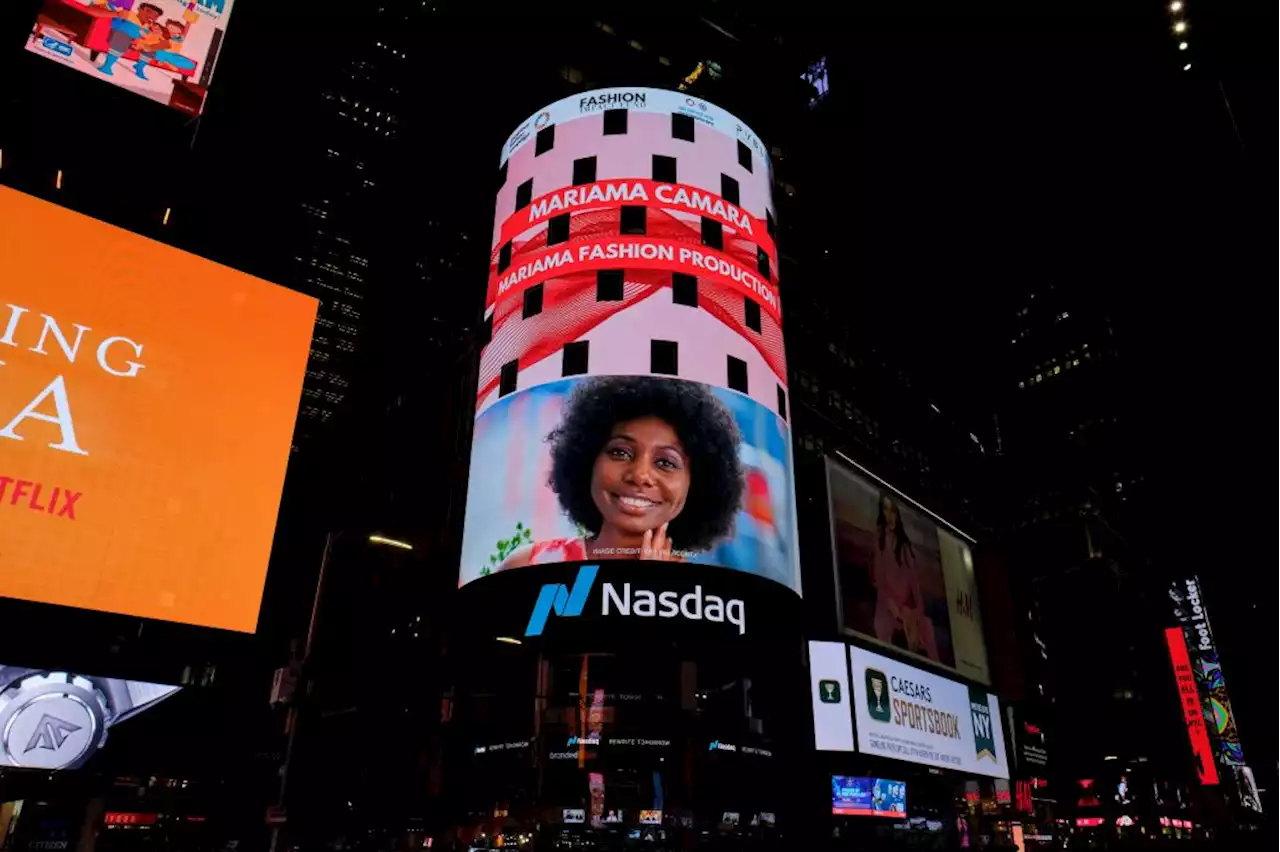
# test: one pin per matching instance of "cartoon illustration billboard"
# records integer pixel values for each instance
(164, 50)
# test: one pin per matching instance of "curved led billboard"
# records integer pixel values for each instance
(632, 397)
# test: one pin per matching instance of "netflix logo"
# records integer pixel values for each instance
(36, 497)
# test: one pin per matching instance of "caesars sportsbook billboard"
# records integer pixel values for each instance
(632, 398)
(164, 50)
(147, 403)
(895, 710)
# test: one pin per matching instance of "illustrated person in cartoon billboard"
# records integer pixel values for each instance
(128, 26)
(142, 31)
(647, 467)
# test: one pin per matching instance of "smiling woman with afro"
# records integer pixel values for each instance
(647, 466)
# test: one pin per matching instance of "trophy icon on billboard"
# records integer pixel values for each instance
(829, 691)
(877, 686)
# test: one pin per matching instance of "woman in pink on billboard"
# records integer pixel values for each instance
(648, 466)
(901, 619)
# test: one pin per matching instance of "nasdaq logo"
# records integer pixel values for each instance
(54, 46)
(623, 600)
(563, 601)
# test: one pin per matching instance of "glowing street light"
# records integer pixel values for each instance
(1182, 45)
(1186, 67)
(390, 542)
(1180, 27)
(1175, 6)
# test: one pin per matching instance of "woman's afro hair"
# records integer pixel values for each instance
(704, 425)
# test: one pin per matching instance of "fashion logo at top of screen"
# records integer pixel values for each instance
(699, 111)
(610, 100)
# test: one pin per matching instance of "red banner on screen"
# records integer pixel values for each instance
(871, 812)
(127, 818)
(631, 253)
(1194, 716)
(640, 193)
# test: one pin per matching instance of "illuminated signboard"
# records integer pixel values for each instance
(909, 714)
(164, 50)
(632, 399)
(905, 579)
(57, 720)
(854, 796)
(1192, 614)
(147, 404)
(1197, 733)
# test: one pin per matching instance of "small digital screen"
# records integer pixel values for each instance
(613, 816)
(651, 817)
(730, 818)
(857, 796)
(576, 815)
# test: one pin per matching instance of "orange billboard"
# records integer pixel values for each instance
(147, 405)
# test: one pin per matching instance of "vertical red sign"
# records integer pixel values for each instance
(1191, 711)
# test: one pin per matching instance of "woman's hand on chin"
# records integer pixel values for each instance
(656, 546)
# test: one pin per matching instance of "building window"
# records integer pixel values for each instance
(712, 233)
(682, 127)
(486, 330)
(524, 194)
(507, 379)
(684, 289)
(532, 302)
(584, 171)
(751, 313)
(558, 229)
(609, 285)
(664, 357)
(615, 122)
(729, 189)
(575, 358)
(737, 375)
(546, 140)
(770, 225)
(633, 220)
(502, 176)
(664, 168)
(782, 402)
(504, 257)
(762, 263)
(744, 156)
(573, 75)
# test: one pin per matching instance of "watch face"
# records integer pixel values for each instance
(50, 721)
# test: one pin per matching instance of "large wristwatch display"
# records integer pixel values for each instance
(52, 719)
